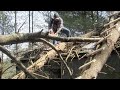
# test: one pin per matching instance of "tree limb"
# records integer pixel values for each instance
(107, 30)
(113, 21)
(32, 37)
(18, 63)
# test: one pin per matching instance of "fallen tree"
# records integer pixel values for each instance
(49, 56)
(41, 61)
(98, 51)
(101, 58)
(34, 37)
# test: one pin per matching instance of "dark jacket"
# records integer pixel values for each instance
(55, 24)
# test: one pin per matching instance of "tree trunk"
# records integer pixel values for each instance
(1, 68)
(16, 28)
(92, 16)
(33, 37)
(102, 57)
(97, 16)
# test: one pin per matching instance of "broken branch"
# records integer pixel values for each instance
(33, 37)
(18, 63)
(86, 64)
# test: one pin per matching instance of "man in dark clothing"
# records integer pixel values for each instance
(56, 26)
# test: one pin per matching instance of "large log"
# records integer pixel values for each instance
(32, 37)
(49, 56)
(102, 57)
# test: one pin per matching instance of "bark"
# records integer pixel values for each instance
(102, 57)
(32, 37)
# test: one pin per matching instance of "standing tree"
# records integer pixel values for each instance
(5, 24)
(82, 20)
(15, 25)
(1, 68)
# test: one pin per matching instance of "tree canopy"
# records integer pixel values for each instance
(82, 20)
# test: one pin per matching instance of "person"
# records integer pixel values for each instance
(56, 26)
